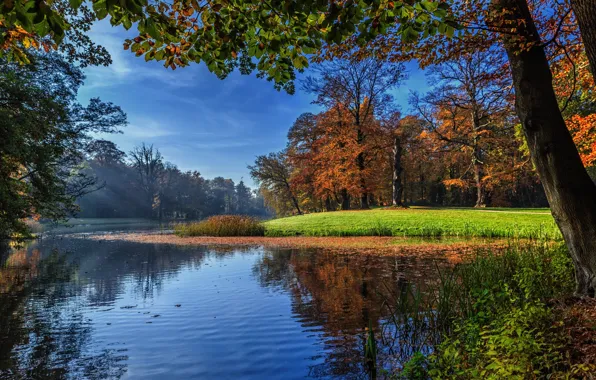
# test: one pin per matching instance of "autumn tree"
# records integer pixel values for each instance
(273, 172)
(302, 150)
(401, 135)
(359, 88)
(470, 100)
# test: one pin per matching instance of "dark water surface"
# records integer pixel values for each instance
(77, 308)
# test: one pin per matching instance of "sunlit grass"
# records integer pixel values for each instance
(424, 222)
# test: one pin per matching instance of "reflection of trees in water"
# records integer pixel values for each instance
(340, 294)
(42, 333)
(43, 330)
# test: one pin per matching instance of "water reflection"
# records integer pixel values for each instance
(340, 295)
(72, 308)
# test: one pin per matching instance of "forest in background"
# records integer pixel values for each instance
(143, 184)
(461, 143)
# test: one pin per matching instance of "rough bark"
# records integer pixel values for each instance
(398, 188)
(569, 189)
(585, 13)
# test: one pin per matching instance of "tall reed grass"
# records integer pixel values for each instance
(222, 225)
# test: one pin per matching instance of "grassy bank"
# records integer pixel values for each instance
(428, 222)
(499, 316)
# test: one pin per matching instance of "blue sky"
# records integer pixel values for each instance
(198, 121)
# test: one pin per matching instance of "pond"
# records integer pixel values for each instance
(72, 307)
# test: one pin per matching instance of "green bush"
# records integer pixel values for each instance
(222, 225)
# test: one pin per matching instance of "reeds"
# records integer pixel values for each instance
(222, 225)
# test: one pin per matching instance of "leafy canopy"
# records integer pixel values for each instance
(275, 37)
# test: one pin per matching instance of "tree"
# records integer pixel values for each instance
(243, 198)
(272, 172)
(359, 88)
(105, 152)
(149, 165)
(585, 12)
(469, 103)
(568, 187)
(392, 125)
(44, 135)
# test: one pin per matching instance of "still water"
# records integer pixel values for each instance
(78, 308)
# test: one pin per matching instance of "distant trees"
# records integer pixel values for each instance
(469, 108)
(149, 166)
(145, 185)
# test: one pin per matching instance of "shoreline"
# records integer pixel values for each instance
(453, 249)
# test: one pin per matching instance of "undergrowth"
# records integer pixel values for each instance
(494, 317)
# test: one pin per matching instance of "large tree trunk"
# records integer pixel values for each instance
(398, 188)
(569, 190)
(585, 13)
(345, 199)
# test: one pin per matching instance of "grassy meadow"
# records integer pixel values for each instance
(420, 221)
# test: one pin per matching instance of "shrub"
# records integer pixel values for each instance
(222, 225)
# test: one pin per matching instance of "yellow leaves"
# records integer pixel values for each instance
(456, 183)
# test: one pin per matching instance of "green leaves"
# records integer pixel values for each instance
(100, 9)
(429, 6)
(75, 4)
(300, 62)
(278, 36)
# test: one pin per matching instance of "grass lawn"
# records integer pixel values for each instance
(421, 221)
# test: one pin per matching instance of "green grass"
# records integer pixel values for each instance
(427, 222)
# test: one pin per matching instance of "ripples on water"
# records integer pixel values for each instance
(76, 308)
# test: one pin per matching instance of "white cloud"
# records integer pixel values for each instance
(142, 128)
(125, 67)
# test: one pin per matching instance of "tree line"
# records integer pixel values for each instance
(461, 145)
(143, 184)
